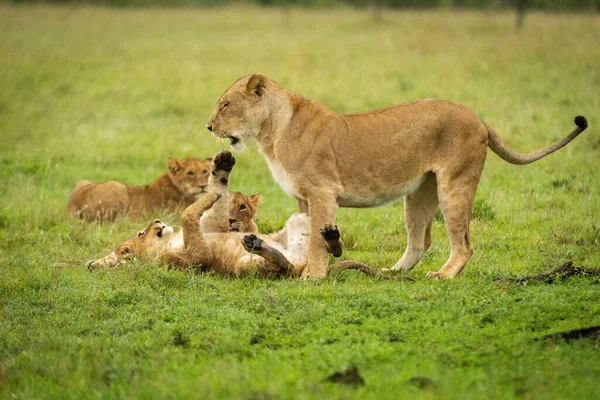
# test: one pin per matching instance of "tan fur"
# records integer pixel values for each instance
(242, 210)
(209, 246)
(171, 245)
(184, 182)
(432, 152)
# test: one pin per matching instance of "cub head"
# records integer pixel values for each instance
(242, 210)
(190, 175)
(241, 111)
(148, 242)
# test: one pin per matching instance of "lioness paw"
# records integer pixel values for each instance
(251, 243)
(223, 161)
(436, 276)
(330, 233)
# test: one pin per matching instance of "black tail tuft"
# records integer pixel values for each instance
(581, 122)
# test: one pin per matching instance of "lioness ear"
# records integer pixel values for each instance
(256, 84)
(174, 165)
(255, 199)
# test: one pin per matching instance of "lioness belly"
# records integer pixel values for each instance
(374, 197)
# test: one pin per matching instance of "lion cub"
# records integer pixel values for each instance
(184, 182)
(208, 244)
(158, 238)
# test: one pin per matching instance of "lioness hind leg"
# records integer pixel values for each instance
(254, 244)
(456, 200)
(419, 211)
(331, 234)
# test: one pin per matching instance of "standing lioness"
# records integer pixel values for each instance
(430, 151)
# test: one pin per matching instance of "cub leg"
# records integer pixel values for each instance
(419, 211)
(193, 240)
(111, 260)
(322, 211)
(216, 219)
(456, 192)
(253, 244)
(333, 239)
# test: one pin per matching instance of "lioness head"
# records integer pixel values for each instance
(147, 243)
(241, 111)
(242, 210)
(189, 175)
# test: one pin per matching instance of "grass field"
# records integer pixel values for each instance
(109, 94)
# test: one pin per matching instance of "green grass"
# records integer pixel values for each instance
(108, 94)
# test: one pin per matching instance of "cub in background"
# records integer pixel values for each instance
(184, 182)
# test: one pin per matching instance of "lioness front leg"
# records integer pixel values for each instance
(216, 219)
(322, 212)
(254, 244)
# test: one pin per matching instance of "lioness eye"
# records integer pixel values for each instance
(190, 173)
(224, 105)
(242, 207)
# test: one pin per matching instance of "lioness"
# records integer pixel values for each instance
(184, 182)
(206, 242)
(431, 151)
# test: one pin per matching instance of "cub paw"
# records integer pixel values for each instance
(252, 243)
(211, 199)
(330, 233)
(223, 161)
(91, 265)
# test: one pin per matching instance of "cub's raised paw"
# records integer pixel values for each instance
(211, 199)
(252, 243)
(223, 161)
(330, 233)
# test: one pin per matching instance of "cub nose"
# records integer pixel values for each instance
(231, 220)
(209, 127)
(202, 187)
(157, 221)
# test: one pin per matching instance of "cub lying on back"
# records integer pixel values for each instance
(207, 244)
(183, 183)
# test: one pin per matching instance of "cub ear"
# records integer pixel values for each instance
(255, 199)
(174, 165)
(256, 84)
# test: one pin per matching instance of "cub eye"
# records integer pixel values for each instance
(126, 250)
(190, 173)
(242, 207)
(205, 172)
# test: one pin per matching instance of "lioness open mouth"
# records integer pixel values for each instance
(233, 140)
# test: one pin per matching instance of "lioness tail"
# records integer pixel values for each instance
(500, 148)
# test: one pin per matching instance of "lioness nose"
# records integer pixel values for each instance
(209, 127)
(231, 220)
